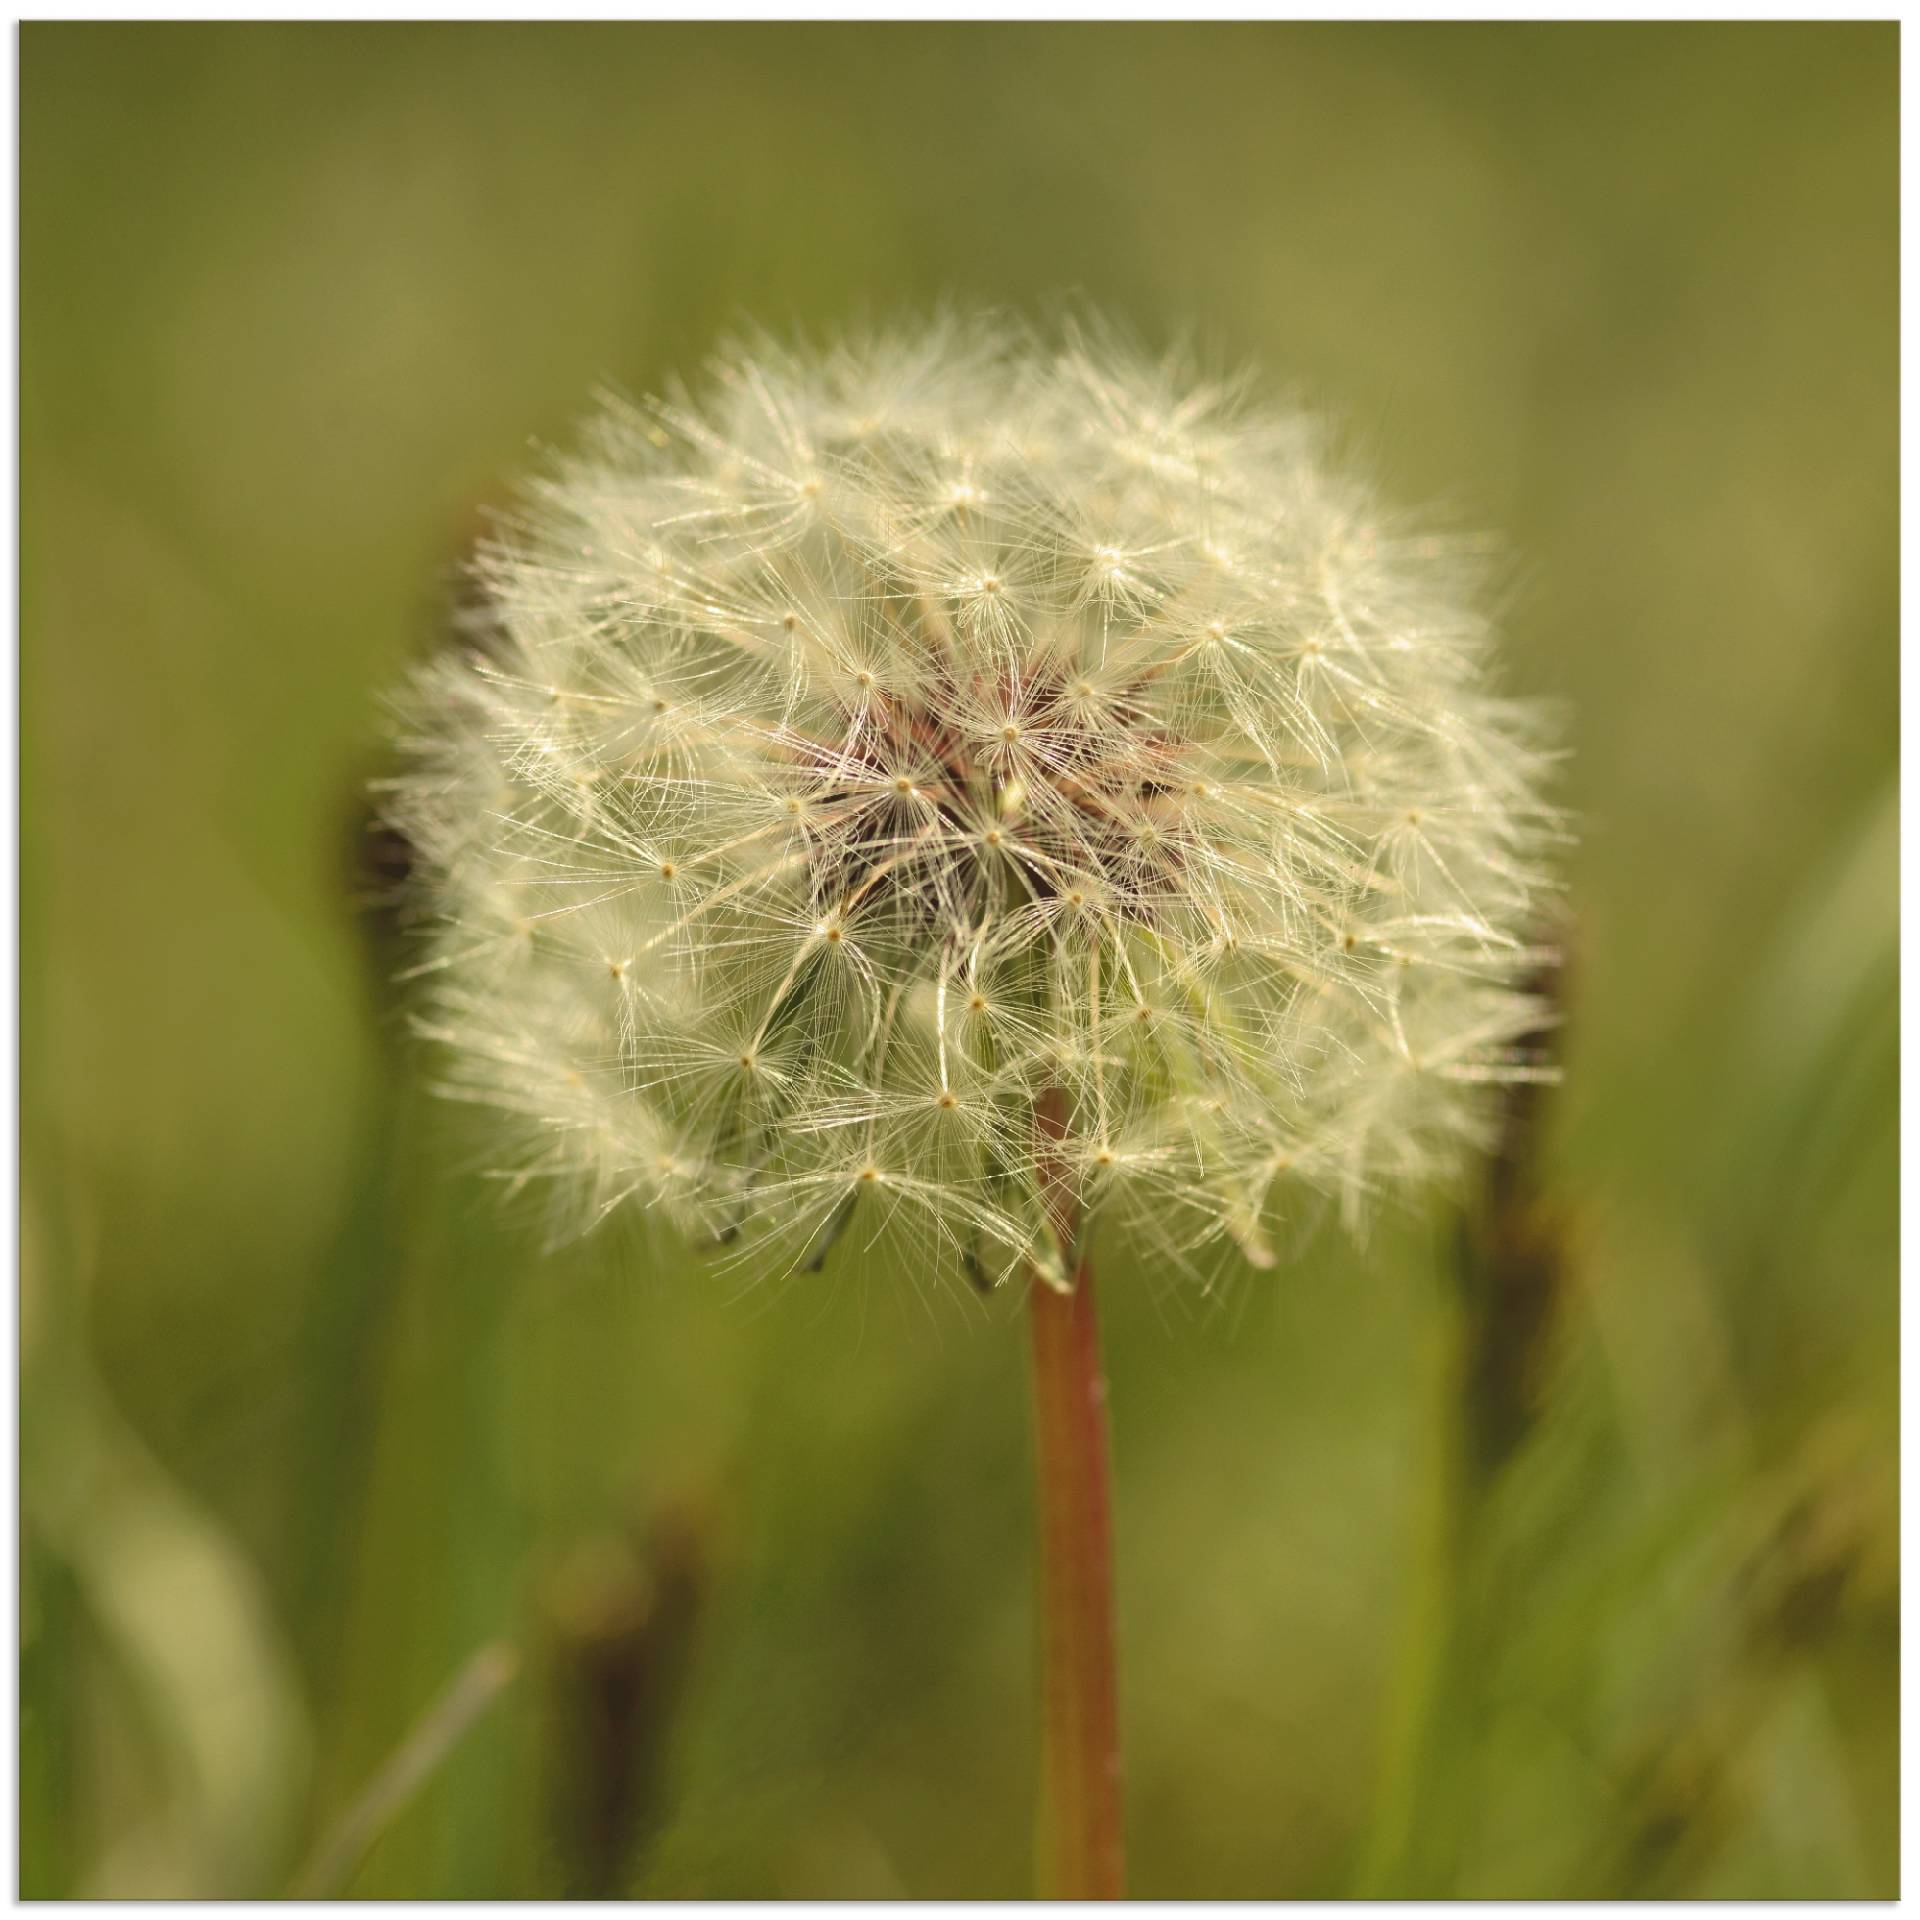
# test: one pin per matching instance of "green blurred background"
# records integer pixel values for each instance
(1549, 1553)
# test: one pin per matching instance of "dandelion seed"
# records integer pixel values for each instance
(1129, 762)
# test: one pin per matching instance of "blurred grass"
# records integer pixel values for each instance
(304, 1426)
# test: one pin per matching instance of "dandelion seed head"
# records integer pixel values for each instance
(896, 742)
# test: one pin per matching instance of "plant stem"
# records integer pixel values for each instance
(1079, 1830)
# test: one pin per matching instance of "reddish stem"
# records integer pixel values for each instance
(1080, 1851)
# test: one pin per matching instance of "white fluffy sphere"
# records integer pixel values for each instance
(971, 789)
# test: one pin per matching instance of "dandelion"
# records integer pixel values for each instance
(974, 795)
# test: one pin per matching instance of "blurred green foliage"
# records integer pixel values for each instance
(306, 1425)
